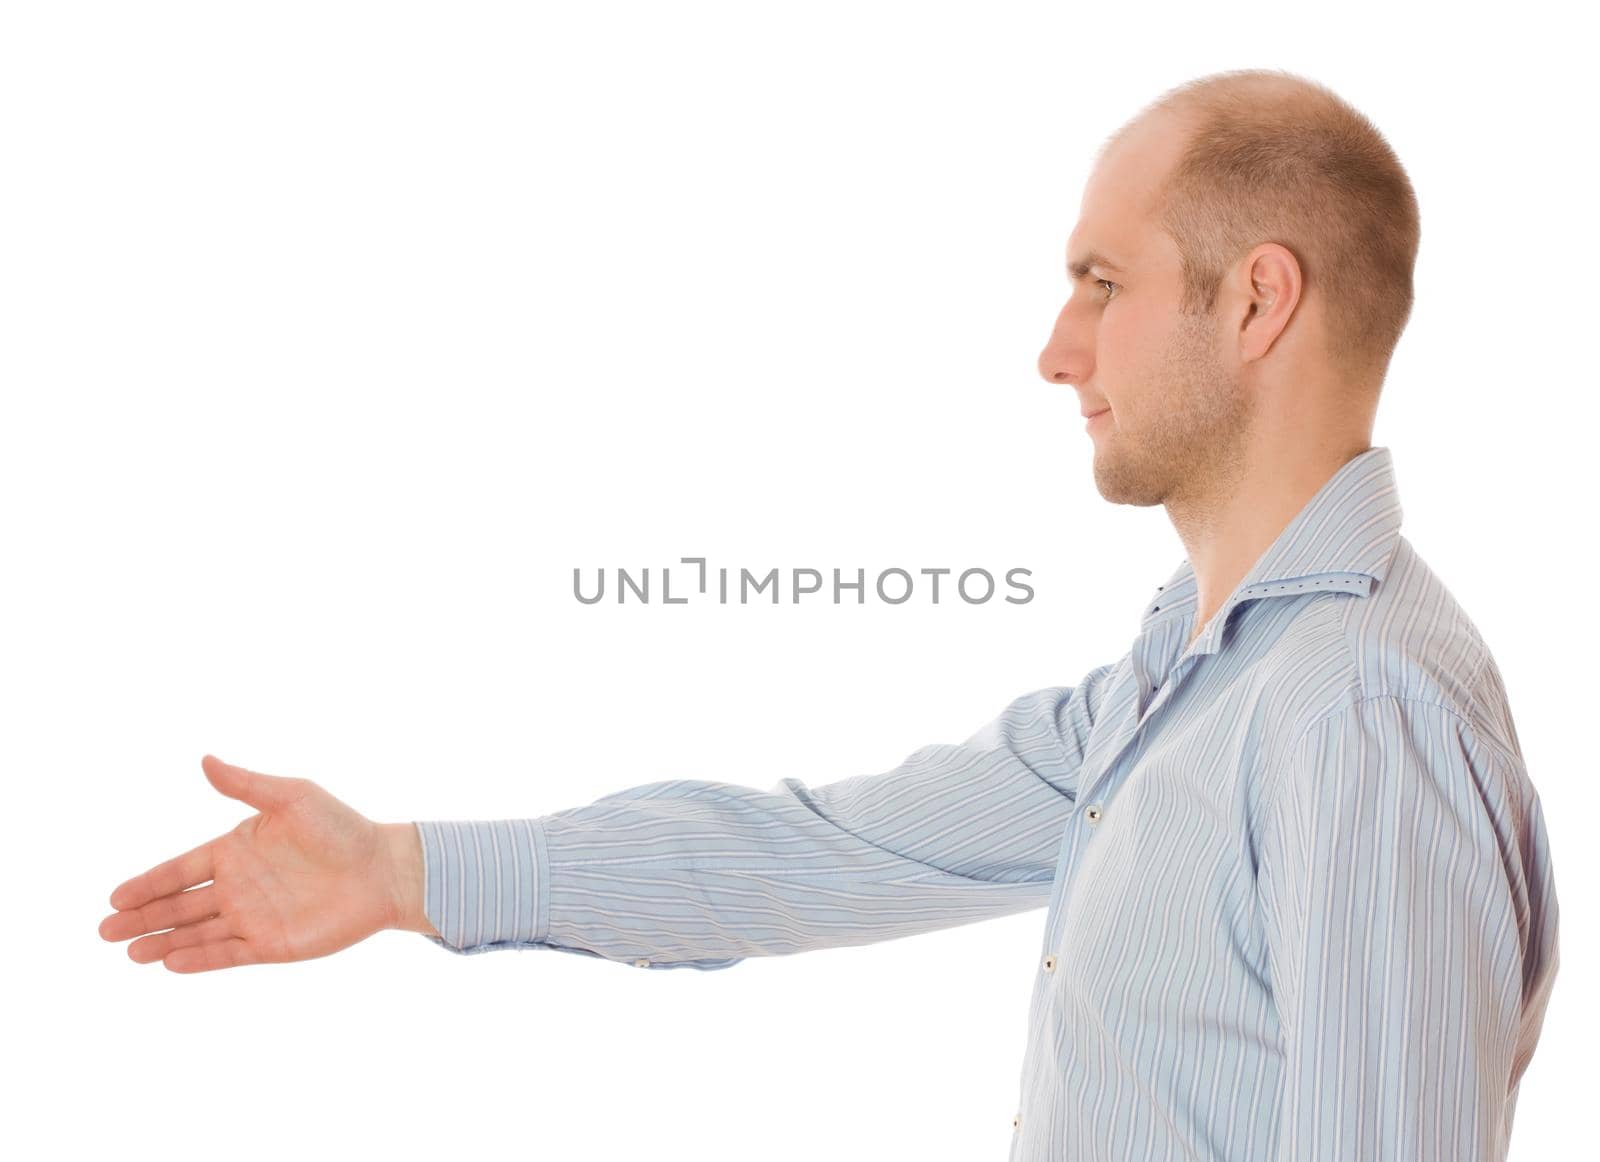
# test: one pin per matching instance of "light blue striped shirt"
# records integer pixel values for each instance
(1300, 898)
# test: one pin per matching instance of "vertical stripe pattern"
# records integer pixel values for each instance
(1298, 896)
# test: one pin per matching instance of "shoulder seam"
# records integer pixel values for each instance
(1477, 676)
(1481, 736)
(1497, 753)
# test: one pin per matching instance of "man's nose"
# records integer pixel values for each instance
(1063, 360)
(1052, 370)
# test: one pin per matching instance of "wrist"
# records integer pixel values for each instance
(406, 878)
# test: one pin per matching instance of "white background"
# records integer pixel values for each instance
(335, 336)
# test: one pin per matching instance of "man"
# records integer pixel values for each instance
(1300, 900)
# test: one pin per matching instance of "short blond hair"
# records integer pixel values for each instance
(1276, 157)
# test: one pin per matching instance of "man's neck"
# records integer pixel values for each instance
(1227, 529)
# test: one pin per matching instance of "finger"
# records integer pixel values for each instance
(167, 912)
(161, 944)
(263, 792)
(205, 957)
(185, 871)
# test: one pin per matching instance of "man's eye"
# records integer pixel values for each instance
(1105, 283)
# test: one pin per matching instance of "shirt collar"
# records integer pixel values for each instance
(1342, 539)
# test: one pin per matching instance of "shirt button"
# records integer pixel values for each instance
(641, 963)
(1050, 963)
(1016, 1120)
(1092, 813)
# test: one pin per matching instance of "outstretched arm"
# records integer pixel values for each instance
(683, 872)
(701, 874)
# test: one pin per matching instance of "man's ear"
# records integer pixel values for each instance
(1272, 284)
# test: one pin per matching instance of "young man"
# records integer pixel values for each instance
(1300, 901)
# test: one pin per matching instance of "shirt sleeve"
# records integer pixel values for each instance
(702, 874)
(1410, 928)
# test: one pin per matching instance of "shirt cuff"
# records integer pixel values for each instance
(486, 884)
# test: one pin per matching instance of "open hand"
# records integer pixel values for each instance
(304, 877)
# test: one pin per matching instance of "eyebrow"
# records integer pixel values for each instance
(1080, 269)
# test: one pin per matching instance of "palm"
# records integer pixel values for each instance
(300, 883)
(302, 878)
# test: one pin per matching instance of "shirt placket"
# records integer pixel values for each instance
(1111, 763)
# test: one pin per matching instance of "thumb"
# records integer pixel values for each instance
(263, 792)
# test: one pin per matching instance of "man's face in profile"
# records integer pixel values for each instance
(1177, 418)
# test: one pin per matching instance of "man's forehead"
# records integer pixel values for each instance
(1113, 228)
(1117, 230)
(1116, 239)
